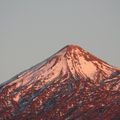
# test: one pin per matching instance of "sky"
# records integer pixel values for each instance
(33, 30)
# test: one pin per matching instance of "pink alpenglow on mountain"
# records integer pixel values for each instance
(70, 85)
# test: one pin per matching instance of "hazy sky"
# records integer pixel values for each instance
(32, 30)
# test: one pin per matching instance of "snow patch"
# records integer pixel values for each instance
(87, 67)
(17, 97)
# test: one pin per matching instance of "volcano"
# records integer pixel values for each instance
(72, 84)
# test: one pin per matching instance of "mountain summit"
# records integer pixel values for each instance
(72, 84)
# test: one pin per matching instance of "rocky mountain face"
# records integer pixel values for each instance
(70, 85)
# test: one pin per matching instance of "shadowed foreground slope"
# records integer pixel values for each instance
(70, 85)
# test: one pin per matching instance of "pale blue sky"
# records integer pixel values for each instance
(32, 30)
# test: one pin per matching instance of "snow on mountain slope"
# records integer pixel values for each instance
(64, 86)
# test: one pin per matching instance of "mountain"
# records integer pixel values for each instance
(72, 84)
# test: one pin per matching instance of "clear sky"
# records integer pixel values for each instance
(32, 30)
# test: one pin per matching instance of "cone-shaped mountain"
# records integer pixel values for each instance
(72, 84)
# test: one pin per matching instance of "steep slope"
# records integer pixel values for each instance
(71, 84)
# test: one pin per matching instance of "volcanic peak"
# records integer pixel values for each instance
(72, 47)
(71, 84)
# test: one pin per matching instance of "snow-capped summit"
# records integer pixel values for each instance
(71, 84)
(86, 64)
